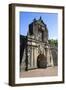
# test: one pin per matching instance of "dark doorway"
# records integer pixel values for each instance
(41, 61)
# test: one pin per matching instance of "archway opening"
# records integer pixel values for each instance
(41, 61)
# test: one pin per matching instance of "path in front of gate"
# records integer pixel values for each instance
(50, 71)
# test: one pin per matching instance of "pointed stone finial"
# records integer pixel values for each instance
(40, 18)
(34, 19)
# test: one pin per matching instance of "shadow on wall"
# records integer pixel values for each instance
(23, 43)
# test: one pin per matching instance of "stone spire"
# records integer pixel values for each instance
(34, 20)
(40, 18)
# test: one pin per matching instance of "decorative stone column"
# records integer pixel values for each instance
(48, 56)
(32, 58)
(35, 57)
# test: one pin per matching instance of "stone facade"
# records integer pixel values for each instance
(37, 52)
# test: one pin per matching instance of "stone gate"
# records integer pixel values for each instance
(36, 43)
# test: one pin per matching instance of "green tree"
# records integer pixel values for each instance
(53, 42)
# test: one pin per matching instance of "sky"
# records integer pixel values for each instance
(50, 19)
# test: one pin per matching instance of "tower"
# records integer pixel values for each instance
(37, 40)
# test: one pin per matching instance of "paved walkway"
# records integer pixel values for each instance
(50, 71)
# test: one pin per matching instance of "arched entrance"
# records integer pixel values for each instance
(41, 61)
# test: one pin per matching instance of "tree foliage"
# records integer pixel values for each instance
(53, 42)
